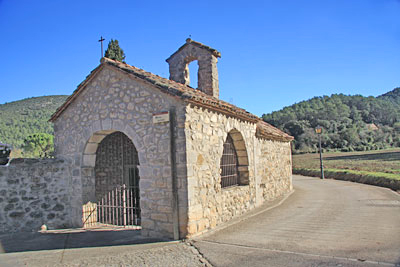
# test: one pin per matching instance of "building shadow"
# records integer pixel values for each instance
(390, 156)
(71, 238)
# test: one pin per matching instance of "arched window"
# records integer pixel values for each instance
(234, 161)
(229, 164)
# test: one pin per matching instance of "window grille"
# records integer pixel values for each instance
(229, 164)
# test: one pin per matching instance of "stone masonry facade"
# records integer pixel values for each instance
(117, 97)
(269, 169)
(274, 169)
(114, 102)
(35, 192)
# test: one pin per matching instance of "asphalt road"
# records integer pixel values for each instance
(323, 223)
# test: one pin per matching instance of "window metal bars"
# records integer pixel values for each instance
(229, 164)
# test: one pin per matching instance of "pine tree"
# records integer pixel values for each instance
(114, 51)
(39, 145)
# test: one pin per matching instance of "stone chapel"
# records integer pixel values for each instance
(187, 161)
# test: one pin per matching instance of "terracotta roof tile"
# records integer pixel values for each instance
(267, 131)
(183, 92)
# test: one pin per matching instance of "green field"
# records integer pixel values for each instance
(379, 163)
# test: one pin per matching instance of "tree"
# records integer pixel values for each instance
(40, 145)
(114, 51)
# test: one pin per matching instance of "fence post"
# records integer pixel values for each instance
(124, 202)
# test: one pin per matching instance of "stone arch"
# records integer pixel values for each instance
(95, 133)
(242, 156)
(116, 155)
(110, 161)
(89, 149)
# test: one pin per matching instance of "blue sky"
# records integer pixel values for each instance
(274, 53)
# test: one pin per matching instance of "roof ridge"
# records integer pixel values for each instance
(213, 51)
(185, 93)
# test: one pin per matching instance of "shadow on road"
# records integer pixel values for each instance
(71, 238)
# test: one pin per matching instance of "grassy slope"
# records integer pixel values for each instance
(381, 167)
(21, 118)
(382, 162)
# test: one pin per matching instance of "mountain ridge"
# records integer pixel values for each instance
(346, 121)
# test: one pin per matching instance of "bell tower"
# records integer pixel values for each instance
(207, 59)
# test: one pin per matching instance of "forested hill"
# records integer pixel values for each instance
(22, 118)
(349, 122)
(392, 96)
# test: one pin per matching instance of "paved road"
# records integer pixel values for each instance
(323, 223)
(153, 254)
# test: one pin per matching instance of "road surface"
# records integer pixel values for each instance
(323, 223)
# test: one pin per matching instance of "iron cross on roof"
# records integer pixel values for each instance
(101, 41)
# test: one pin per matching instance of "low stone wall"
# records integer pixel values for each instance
(34, 192)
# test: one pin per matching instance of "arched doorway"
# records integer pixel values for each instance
(116, 183)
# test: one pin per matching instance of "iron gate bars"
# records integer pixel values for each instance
(117, 207)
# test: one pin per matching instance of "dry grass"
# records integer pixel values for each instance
(379, 163)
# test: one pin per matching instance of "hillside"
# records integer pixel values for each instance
(349, 122)
(22, 118)
(392, 96)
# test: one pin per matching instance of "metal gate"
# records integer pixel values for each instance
(120, 206)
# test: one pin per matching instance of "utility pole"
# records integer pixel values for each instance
(318, 130)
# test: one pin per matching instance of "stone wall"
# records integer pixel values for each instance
(274, 168)
(35, 192)
(268, 169)
(115, 101)
(209, 204)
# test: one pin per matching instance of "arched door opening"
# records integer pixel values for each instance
(116, 179)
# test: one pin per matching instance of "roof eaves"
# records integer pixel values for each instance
(186, 93)
(75, 94)
(267, 131)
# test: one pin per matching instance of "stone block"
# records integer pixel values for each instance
(202, 225)
(164, 209)
(147, 224)
(159, 217)
(16, 215)
(96, 138)
(106, 124)
(89, 160)
(167, 227)
(192, 228)
(91, 148)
